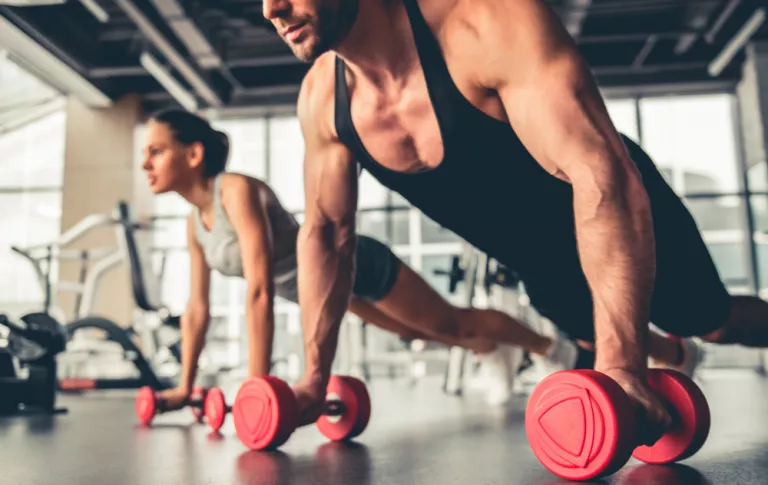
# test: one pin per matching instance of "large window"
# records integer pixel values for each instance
(31, 175)
(691, 138)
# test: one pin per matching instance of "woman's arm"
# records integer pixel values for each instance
(194, 322)
(243, 203)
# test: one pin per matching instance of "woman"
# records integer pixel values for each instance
(239, 228)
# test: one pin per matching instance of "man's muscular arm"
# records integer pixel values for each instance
(326, 249)
(553, 104)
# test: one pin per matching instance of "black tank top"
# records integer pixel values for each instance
(488, 189)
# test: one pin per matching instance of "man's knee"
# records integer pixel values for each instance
(742, 310)
(723, 335)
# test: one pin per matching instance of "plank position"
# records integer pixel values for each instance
(492, 99)
(239, 228)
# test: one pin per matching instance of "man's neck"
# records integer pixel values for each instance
(380, 45)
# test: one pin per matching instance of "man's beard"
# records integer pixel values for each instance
(330, 29)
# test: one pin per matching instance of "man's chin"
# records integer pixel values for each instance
(305, 55)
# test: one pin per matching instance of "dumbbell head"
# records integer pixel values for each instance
(580, 424)
(350, 405)
(216, 408)
(690, 417)
(265, 413)
(146, 405)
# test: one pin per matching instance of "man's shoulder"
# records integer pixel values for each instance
(316, 96)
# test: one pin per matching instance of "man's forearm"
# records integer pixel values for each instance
(326, 272)
(261, 330)
(194, 326)
(617, 248)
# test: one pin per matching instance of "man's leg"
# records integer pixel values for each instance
(370, 314)
(662, 349)
(416, 304)
(747, 323)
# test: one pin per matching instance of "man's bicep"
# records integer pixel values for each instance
(548, 92)
(562, 120)
(330, 185)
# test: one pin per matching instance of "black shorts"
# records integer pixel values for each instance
(377, 269)
(689, 297)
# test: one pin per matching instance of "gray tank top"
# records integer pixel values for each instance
(222, 249)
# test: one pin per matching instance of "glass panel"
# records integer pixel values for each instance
(170, 233)
(171, 204)
(220, 293)
(286, 155)
(731, 262)
(373, 224)
(431, 263)
(26, 162)
(760, 212)
(758, 177)
(717, 213)
(624, 116)
(762, 268)
(370, 192)
(175, 282)
(23, 97)
(694, 136)
(721, 222)
(247, 141)
(27, 219)
(401, 231)
(432, 232)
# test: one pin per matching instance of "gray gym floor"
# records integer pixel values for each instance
(417, 435)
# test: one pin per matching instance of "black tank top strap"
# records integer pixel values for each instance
(342, 114)
(440, 85)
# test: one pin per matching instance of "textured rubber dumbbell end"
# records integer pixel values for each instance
(355, 405)
(265, 413)
(690, 418)
(215, 409)
(580, 424)
(146, 405)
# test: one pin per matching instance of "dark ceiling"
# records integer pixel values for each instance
(227, 55)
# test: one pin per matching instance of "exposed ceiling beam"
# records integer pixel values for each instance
(650, 68)
(719, 23)
(193, 77)
(645, 52)
(575, 12)
(737, 42)
(697, 15)
(187, 31)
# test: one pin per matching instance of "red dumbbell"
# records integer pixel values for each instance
(266, 412)
(581, 424)
(216, 408)
(148, 405)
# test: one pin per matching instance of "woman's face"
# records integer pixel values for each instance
(169, 164)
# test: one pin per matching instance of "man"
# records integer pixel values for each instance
(466, 105)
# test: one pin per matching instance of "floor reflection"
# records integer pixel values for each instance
(332, 464)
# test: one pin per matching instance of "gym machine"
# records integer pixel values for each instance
(94, 264)
(28, 364)
(471, 267)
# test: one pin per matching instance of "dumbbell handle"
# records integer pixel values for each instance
(198, 403)
(334, 407)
